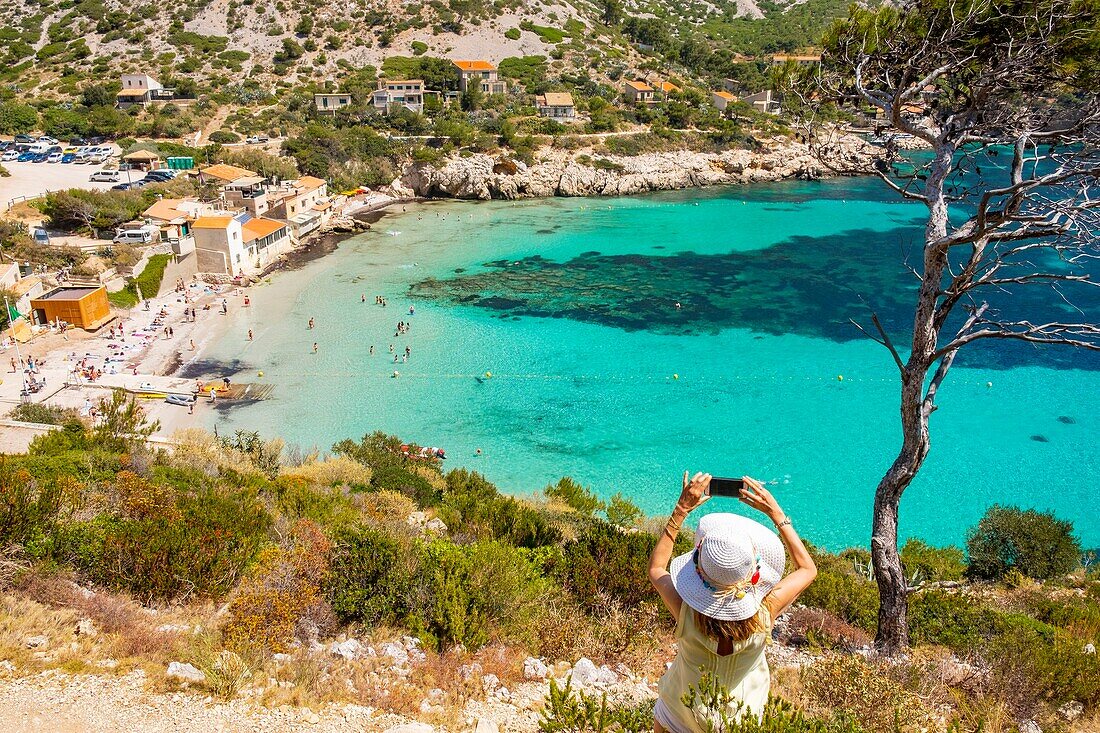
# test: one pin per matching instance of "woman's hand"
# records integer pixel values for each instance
(755, 495)
(694, 493)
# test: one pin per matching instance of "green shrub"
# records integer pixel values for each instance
(1033, 662)
(512, 34)
(572, 494)
(196, 545)
(605, 560)
(936, 617)
(473, 506)
(1037, 544)
(622, 512)
(224, 136)
(474, 593)
(575, 711)
(371, 573)
(30, 508)
(392, 469)
(43, 414)
(932, 563)
(148, 282)
(419, 48)
(838, 590)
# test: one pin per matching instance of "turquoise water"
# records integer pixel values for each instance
(596, 374)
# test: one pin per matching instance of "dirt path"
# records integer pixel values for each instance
(213, 125)
(60, 703)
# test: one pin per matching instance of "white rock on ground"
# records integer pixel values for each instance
(36, 642)
(184, 671)
(587, 674)
(485, 725)
(411, 728)
(346, 649)
(535, 669)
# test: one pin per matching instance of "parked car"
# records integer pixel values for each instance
(97, 159)
(106, 176)
(41, 236)
(128, 186)
(54, 157)
(40, 158)
(24, 139)
(157, 177)
(48, 140)
(135, 236)
(76, 142)
(254, 139)
(9, 155)
(68, 158)
(24, 157)
(5, 144)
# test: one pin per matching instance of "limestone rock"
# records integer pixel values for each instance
(1090, 648)
(185, 672)
(36, 642)
(1071, 711)
(435, 525)
(534, 669)
(485, 725)
(587, 674)
(85, 627)
(349, 649)
(411, 728)
(1029, 726)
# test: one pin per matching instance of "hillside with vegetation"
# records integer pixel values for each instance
(368, 577)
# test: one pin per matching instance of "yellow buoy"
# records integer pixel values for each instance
(675, 376)
(488, 375)
(260, 374)
(840, 377)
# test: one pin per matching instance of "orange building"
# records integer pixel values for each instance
(82, 306)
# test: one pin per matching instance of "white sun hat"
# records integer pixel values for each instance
(735, 564)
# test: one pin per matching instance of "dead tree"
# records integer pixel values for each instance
(1004, 97)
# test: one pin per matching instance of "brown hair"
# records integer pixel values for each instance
(719, 630)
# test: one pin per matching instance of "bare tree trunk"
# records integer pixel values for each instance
(893, 615)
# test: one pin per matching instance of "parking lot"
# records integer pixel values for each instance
(34, 179)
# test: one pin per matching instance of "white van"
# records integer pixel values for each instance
(38, 148)
(106, 176)
(145, 235)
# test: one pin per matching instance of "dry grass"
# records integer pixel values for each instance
(335, 471)
(814, 627)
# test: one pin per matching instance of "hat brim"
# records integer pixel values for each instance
(690, 586)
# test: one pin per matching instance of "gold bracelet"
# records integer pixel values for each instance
(785, 523)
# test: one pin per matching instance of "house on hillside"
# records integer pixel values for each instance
(556, 105)
(481, 75)
(331, 102)
(174, 218)
(638, 92)
(220, 174)
(235, 242)
(666, 88)
(141, 89)
(722, 99)
(765, 101)
(248, 193)
(303, 204)
(407, 93)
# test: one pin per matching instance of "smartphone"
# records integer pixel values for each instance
(726, 486)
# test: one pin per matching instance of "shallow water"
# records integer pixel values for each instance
(570, 304)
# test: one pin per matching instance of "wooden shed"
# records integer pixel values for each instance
(84, 306)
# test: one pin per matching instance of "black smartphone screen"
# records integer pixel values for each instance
(726, 486)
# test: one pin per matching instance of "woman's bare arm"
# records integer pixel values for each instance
(787, 590)
(691, 497)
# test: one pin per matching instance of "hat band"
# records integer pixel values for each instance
(739, 589)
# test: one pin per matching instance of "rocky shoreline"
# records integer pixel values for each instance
(572, 173)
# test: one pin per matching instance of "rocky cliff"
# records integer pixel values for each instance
(566, 173)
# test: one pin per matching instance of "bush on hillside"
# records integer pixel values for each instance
(572, 494)
(840, 591)
(853, 687)
(197, 545)
(371, 573)
(605, 560)
(281, 599)
(392, 469)
(30, 508)
(147, 283)
(473, 506)
(931, 564)
(1037, 544)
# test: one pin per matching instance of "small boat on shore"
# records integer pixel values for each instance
(180, 399)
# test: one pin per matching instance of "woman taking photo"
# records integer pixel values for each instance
(724, 595)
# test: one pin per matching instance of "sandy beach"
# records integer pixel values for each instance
(134, 352)
(143, 356)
